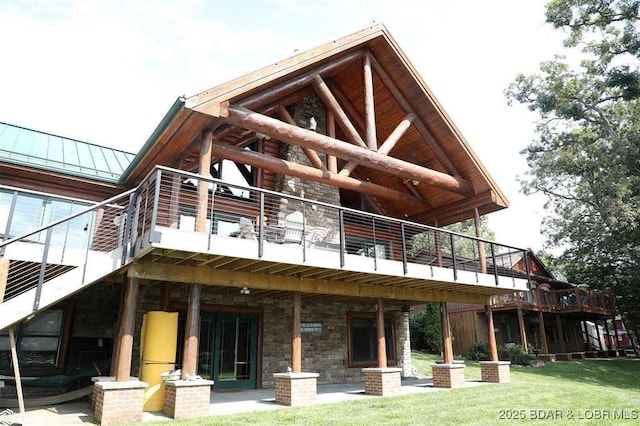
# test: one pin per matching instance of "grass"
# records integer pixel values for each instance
(594, 391)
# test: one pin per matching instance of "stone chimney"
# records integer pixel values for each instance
(309, 113)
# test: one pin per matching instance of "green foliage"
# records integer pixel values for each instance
(464, 247)
(425, 329)
(479, 352)
(515, 354)
(586, 158)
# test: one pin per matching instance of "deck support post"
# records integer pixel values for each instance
(563, 346)
(523, 328)
(190, 352)
(491, 334)
(447, 347)
(123, 367)
(543, 333)
(295, 388)
(296, 334)
(120, 398)
(380, 338)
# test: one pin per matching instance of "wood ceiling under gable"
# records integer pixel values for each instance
(452, 180)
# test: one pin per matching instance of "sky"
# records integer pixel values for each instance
(107, 71)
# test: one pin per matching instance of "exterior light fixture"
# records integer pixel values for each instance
(245, 290)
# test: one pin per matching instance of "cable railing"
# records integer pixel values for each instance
(82, 244)
(96, 240)
(172, 200)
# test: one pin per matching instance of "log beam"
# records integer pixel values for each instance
(211, 105)
(203, 190)
(369, 105)
(387, 145)
(332, 161)
(248, 119)
(311, 154)
(334, 106)
(288, 168)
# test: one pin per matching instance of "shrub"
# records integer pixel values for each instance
(515, 354)
(479, 352)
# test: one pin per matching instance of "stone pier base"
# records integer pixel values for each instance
(495, 371)
(382, 381)
(294, 389)
(187, 398)
(118, 402)
(448, 375)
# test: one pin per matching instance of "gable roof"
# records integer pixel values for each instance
(45, 151)
(432, 141)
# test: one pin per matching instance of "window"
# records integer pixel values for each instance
(37, 341)
(363, 342)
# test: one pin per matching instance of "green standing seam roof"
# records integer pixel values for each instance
(32, 148)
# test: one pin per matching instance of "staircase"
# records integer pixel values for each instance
(47, 265)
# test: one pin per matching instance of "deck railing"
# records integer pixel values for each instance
(560, 300)
(170, 199)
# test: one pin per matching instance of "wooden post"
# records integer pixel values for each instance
(123, 368)
(438, 246)
(447, 347)
(369, 106)
(543, 333)
(165, 298)
(190, 352)
(174, 213)
(579, 345)
(563, 347)
(481, 253)
(615, 332)
(115, 352)
(16, 371)
(332, 161)
(491, 331)
(382, 344)
(523, 328)
(296, 334)
(203, 188)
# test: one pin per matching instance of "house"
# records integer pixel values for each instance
(554, 319)
(273, 231)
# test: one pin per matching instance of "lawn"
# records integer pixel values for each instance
(594, 391)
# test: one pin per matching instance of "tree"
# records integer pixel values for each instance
(586, 159)
(426, 329)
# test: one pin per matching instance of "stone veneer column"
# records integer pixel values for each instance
(495, 371)
(404, 337)
(187, 398)
(119, 402)
(382, 381)
(448, 375)
(294, 389)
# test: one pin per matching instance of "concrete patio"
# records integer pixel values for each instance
(222, 403)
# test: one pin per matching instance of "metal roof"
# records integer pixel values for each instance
(32, 148)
